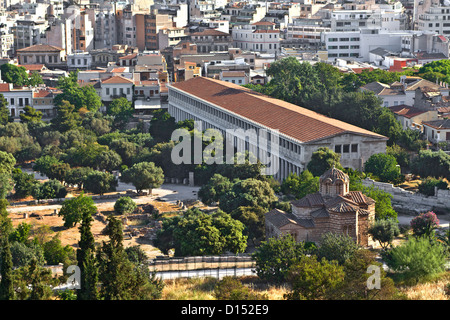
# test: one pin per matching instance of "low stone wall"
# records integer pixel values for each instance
(409, 202)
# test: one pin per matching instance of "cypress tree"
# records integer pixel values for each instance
(86, 257)
(6, 265)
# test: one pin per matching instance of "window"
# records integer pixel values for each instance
(337, 148)
(354, 148)
(346, 148)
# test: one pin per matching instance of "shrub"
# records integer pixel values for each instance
(424, 224)
(337, 247)
(124, 205)
(416, 259)
(427, 185)
(230, 288)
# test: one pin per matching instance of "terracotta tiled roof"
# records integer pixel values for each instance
(406, 111)
(210, 32)
(117, 79)
(42, 94)
(280, 218)
(296, 122)
(310, 200)
(263, 23)
(359, 198)
(129, 56)
(33, 67)
(266, 31)
(4, 87)
(41, 48)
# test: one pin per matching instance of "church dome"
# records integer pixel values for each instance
(333, 175)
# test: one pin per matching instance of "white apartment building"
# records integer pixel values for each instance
(259, 36)
(304, 32)
(359, 44)
(390, 18)
(79, 60)
(434, 16)
(17, 98)
(116, 87)
(293, 133)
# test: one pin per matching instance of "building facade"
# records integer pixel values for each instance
(293, 133)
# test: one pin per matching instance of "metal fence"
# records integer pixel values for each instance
(202, 266)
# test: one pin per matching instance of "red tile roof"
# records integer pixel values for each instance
(33, 67)
(117, 79)
(4, 87)
(406, 111)
(40, 48)
(299, 123)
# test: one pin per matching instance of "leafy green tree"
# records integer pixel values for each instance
(418, 258)
(67, 118)
(44, 164)
(30, 115)
(85, 255)
(108, 160)
(383, 204)
(77, 176)
(253, 218)
(72, 210)
(124, 205)
(14, 74)
(427, 186)
(7, 162)
(384, 231)
(354, 286)
(24, 253)
(322, 160)
(312, 279)
(400, 155)
(34, 282)
(431, 164)
(50, 189)
(385, 167)
(21, 233)
(126, 149)
(300, 185)
(339, 247)
(199, 233)
(162, 125)
(274, 257)
(249, 192)
(144, 175)
(122, 110)
(76, 95)
(55, 253)
(216, 187)
(99, 182)
(35, 79)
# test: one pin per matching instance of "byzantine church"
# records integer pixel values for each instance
(332, 209)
